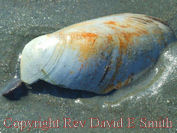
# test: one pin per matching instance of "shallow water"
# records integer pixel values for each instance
(152, 96)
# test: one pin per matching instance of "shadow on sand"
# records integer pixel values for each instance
(42, 87)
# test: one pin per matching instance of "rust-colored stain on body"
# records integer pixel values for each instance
(117, 24)
(110, 88)
(137, 27)
(111, 22)
(88, 35)
(118, 65)
(82, 66)
(88, 46)
(82, 41)
(110, 39)
(119, 84)
(126, 37)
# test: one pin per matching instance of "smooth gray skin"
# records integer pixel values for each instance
(152, 96)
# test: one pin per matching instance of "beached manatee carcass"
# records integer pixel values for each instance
(97, 55)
